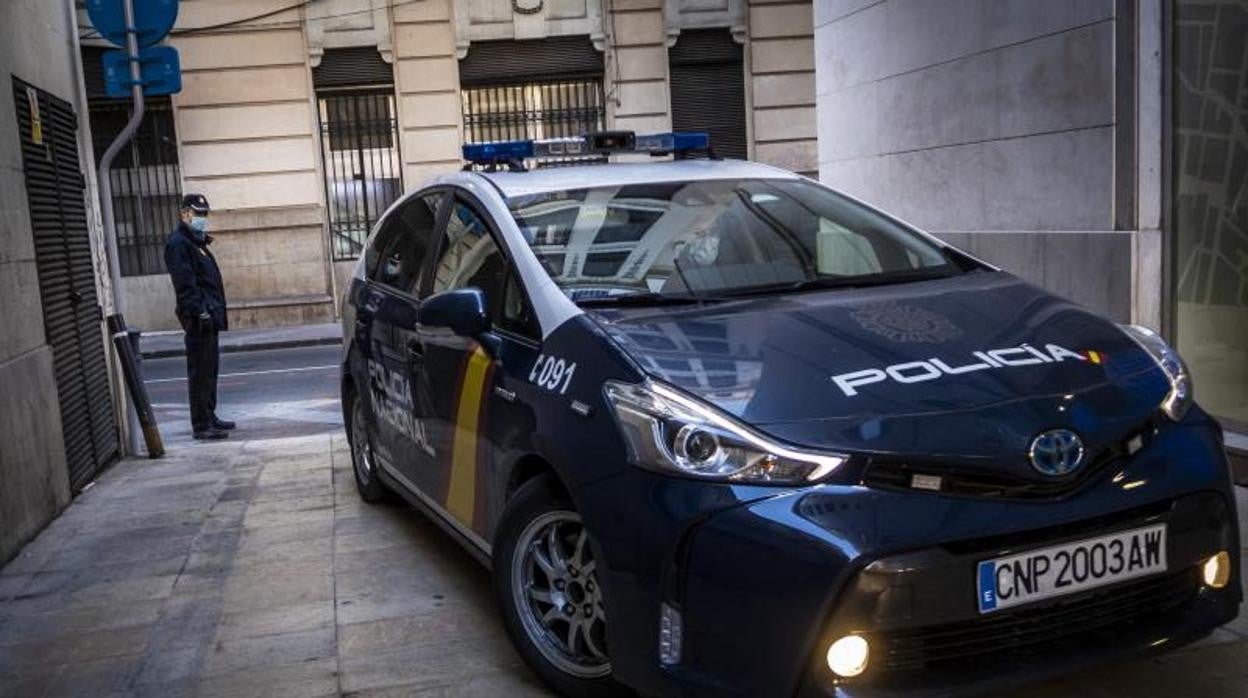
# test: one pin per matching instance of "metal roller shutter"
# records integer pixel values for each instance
(93, 71)
(512, 62)
(708, 88)
(359, 66)
(71, 311)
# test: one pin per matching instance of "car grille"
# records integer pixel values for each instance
(1031, 630)
(896, 474)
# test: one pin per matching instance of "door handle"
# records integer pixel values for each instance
(505, 394)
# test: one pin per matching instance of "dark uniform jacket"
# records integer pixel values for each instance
(196, 279)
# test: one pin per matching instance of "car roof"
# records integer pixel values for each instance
(540, 181)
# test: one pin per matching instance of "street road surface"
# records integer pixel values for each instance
(271, 394)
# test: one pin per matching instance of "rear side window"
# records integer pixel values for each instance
(470, 258)
(396, 257)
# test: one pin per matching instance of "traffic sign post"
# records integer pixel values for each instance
(159, 70)
(132, 24)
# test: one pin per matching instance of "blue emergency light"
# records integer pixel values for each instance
(514, 153)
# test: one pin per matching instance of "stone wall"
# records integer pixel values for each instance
(248, 129)
(636, 70)
(427, 76)
(248, 141)
(781, 66)
(36, 45)
(991, 124)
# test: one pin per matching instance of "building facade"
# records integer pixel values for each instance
(57, 423)
(1097, 148)
(301, 124)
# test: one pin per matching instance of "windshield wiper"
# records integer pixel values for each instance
(642, 299)
(842, 282)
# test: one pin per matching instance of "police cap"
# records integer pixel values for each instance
(195, 202)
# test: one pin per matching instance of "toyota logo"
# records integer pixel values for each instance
(1056, 452)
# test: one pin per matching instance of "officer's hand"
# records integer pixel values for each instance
(205, 320)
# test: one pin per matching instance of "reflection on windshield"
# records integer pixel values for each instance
(703, 357)
(705, 237)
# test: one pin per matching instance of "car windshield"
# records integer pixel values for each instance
(716, 238)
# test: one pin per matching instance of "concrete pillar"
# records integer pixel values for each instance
(427, 77)
(780, 63)
(636, 67)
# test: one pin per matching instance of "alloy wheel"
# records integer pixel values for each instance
(554, 584)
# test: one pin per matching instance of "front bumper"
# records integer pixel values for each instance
(763, 586)
(918, 610)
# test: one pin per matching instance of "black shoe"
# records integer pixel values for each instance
(211, 434)
(222, 424)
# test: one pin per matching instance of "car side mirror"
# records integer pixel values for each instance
(460, 310)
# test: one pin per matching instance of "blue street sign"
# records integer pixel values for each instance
(160, 70)
(152, 18)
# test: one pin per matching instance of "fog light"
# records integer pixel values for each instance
(671, 634)
(848, 656)
(1217, 570)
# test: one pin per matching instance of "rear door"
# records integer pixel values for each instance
(400, 412)
(475, 384)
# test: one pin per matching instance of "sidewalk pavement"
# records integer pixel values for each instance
(246, 568)
(156, 345)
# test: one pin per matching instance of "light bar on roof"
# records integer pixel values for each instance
(600, 143)
(498, 151)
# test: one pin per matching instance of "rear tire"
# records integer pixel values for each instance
(546, 584)
(363, 462)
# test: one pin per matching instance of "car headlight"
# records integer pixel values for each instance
(1179, 399)
(675, 434)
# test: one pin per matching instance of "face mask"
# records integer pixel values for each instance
(703, 250)
(198, 224)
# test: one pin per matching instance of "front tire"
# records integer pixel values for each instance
(363, 462)
(546, 584)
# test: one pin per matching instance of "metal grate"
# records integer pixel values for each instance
(542, 109)
(892, 474)
(520, 62)
(353, 67)
(708, 88)
(146, 181)
(71, 311)
(363, 168)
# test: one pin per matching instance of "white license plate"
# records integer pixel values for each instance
(1070, 567)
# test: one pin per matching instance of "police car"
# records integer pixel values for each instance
(718, 429)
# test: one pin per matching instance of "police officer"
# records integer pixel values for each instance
(200, 310)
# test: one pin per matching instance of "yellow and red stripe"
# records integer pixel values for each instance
(461, 492)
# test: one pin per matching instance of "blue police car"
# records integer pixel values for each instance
(718, 429)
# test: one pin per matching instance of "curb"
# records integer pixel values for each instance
(255, 346)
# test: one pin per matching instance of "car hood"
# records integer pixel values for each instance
(972, 366)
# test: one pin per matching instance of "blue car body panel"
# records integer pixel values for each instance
(763, 575)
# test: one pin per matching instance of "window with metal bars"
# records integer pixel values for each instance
(538, 109)
(145, 178)
(548, 88)
(363, 169)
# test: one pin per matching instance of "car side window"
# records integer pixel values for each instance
(471, 258)
(407, 235)
(377, 243)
